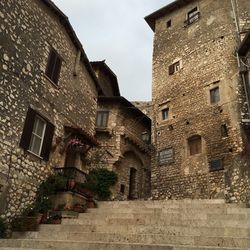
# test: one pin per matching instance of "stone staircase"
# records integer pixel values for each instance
(145, 225)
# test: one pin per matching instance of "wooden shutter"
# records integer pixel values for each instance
(27, 129)
(51, 63)
(171, 69)
(47, 141)
(53, 66)
(57, 68)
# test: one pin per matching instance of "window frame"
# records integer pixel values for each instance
(165, 111)
(102, 112)
(214, 98)
(53, 68)
(175, 67)
(27, 132)
(194, 145)
(33, 134)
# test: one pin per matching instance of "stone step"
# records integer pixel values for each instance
(214, 210)
(151, 229)
(142, 238)
(148, 220)
(82, 245)
(160, 216)
(161, 202)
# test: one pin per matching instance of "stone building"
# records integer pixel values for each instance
(48, 99)
(200, 105)
(123, 132)
(145, 107)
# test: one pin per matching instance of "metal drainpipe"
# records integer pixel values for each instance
(238, 58)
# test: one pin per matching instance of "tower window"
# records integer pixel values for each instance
(169, 23)
(174, 67)
(194, 145)
(165, 114)
(214, 95)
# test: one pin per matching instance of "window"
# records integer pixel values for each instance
(214, 95)
(37, 135)
(102, 118)
(216, 165)
(194, 145)
(165, 114)
(169, 23)
(224, 130)
(53, 66)
(146, 137)
(174, 67)
(192, 16)
(166, 156)
(122, 188)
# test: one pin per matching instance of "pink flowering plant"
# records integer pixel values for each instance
(75, 143)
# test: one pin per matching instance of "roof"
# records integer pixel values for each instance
(150, 19)
(65, 22)
(245, 45)
(129, 106)
(112, 75)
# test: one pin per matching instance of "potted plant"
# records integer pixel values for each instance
(54, 219)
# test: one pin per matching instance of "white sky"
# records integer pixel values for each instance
(115, 30)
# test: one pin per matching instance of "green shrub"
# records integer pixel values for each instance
(100, 181)
(3, 228)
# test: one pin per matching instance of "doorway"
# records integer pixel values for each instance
(132, 184)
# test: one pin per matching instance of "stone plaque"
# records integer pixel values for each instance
(166, 156)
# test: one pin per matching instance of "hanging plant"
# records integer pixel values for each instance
(76, 144)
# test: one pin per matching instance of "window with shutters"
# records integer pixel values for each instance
(214, 95)
(194, 145)
(192, 16)
(37, 135)
(53, 66)
(175, 67)
(102, 119)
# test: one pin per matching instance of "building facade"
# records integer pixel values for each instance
(48, 99)
(200, 109)
(123, 132)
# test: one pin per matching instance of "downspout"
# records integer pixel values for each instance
(243, 76)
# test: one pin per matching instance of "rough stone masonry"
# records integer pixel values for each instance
(199, 104)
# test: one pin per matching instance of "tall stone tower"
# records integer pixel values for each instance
(200, 104)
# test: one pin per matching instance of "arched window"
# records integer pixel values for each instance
(194, 145)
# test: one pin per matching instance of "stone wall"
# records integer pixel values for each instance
(145, 107)
(122, 148)
(28, 30)
(205, 50)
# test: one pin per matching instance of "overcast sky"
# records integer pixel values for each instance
(115, 30)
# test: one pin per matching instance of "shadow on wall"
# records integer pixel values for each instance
(4, 189)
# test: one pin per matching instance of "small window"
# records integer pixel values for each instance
(224, 130)
(169, 23)
(102, 118)
(37, 135)
(122, 188)
(165, 114)
(166, 156)
(53, 66)
(146, 137)
(175, 67)
(214, 95)
(192, 16)
(216, 165)
(194, 145)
